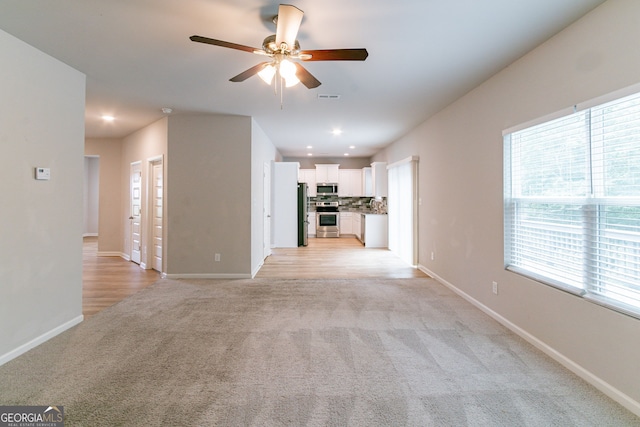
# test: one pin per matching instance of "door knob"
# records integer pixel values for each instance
(130, 217)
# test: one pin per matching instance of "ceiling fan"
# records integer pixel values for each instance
(282, 48)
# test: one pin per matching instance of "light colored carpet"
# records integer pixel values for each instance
(266, 352)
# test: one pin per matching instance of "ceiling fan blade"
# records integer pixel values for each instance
(248, 73)
(306, 78)
(221, 43)
(289, 19)
(335, 54)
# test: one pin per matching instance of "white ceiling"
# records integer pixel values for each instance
(423, 54)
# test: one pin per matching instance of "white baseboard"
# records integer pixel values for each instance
(39, 340)
(209, 276)
(606, 388)
(253, 274)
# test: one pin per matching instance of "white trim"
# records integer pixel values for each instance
(611, 96)
(403, 161)
(209, 276)
(255, 272)
(593, 102)
(39, 340)
(546, 118)
(606, 388)
(90, 235)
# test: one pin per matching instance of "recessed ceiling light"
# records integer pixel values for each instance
(336, 132)
(309, 154)
(346, 154)
(352, 147)
(309, 147)
(108, 118)
(167, 110)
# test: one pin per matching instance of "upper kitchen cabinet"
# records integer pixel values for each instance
(379, 179)
(327, 173)
(367, 184)
(350, 183)
(308, 176)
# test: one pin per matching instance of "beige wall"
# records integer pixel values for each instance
(142, 146)
(460, 185)
(209, 189)
(110, 193)
(41, 222)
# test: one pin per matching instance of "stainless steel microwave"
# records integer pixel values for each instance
(326, 189)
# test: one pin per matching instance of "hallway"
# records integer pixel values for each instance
(108, 280)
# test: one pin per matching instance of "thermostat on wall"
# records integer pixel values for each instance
(43, 173)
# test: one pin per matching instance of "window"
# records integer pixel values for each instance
(572, 203)
(403, 190)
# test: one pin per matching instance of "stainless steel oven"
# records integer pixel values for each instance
(327, 219)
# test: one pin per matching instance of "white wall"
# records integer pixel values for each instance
(284, 209)
(262, 151)
(460, 184)
(41, 124)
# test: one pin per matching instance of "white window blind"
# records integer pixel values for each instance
(572, 203)
(402, 194)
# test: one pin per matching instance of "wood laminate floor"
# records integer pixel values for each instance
(108, 280)
(332, 258)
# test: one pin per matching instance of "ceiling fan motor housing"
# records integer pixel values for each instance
(269, 46)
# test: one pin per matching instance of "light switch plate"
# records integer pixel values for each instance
(43, 174)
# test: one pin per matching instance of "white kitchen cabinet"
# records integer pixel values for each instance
(350, 183)
(308, 176)
(357, 225)
(312, 224)
(346, 223)
(327, 173)
(379, 178)
(367, 184)
(375, 231)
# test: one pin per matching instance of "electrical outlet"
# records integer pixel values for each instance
(433, 256)
(495, 287)
(217, 257)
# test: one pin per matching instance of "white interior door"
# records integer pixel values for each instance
(156, 216)
(266, 182)
(136, 211)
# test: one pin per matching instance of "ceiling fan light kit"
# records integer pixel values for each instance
(283, 49)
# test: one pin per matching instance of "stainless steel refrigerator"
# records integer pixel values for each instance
(303, 214)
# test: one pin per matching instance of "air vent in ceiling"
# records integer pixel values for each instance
(331, 96)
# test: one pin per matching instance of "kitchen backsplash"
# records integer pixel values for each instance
(352, 204)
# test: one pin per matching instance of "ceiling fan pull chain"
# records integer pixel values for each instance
(281, 93)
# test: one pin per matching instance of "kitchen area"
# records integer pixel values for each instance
(329, 202)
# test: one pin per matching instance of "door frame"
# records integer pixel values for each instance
(137, 165)
(148, 222)
(266, 210)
